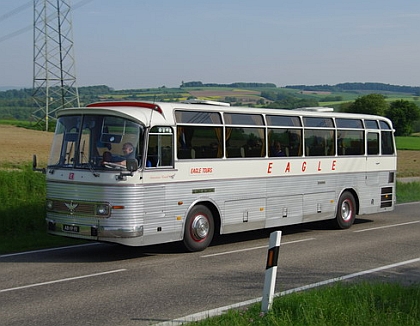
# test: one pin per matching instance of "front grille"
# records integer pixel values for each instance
(74, 207)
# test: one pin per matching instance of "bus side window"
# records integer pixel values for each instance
(373, 143)
(386, 142)
(199, 142)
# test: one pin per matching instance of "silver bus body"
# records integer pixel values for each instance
(161, 203)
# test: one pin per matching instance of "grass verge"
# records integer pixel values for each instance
(22, 213)
(364, 304)
(408, 143)
(408, 192)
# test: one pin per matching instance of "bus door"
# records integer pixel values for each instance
(158, 173)
(160, 148)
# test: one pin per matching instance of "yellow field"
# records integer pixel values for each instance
(17, 145)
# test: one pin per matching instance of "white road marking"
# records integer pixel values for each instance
(386, 226)
(221, 310)
(252, 248)
(61, 280)
(409, 203)
(49, 249)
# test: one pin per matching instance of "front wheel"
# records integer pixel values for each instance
(199, 228)
(346, 211)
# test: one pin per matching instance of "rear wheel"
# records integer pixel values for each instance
(346, 211)
(199, 228)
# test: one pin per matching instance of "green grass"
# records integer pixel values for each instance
(28, 124)
(22, 213)
(18, 123)
(408, 143)
(408, 192)
(363, 304)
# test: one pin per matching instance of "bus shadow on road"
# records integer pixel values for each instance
(103, 252)
(327, 226)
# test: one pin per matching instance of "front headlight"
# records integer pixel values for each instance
(102, 209)
(49, 204)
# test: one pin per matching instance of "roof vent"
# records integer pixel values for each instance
(316, 109)
(205, 102)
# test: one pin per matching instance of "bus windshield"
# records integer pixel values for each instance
(95, 141)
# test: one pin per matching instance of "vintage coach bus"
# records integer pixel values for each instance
(200, 169)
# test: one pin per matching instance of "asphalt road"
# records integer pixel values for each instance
(102, 284)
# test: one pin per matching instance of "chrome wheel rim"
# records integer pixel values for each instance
(200, 227)
(346, 210)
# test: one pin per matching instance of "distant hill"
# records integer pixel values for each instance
(346, 87)
(232, 85)
(7, 88)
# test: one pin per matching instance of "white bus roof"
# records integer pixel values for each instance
(163, 112)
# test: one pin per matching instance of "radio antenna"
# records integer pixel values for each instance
(151, 113)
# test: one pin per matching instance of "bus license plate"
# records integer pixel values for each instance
(70, 228)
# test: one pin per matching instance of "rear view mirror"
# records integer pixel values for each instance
(132, 165)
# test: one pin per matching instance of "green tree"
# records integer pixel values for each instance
(369, 104)
(344, 107)
(403, 114)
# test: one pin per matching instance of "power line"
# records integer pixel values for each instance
(16, 33)
(15, 11)
(29, 27)
(81, 4)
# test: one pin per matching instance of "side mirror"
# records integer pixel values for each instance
(132, 165)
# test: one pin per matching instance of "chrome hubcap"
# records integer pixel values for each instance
(346, 210)
(200, 227)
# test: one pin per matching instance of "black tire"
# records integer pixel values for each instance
(199, 228)
(346, 211)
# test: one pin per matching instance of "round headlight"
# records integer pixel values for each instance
(102, 210)
(49, 204)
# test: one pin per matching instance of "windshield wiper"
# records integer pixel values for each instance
(89, 164)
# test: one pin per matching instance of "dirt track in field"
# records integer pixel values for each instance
(17, 146)
(220, 95)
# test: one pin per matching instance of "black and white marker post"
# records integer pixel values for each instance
(271, 271)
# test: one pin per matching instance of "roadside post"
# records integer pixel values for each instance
(271, 271)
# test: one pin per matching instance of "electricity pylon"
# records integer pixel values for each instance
(54, 83)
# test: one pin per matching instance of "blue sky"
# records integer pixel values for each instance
(152, 43)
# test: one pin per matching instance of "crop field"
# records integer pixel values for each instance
(17, 145)
(241, 95)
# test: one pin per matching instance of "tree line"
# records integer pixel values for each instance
(346, 87)
(402, 113)
(19, 105)
(232, 85)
